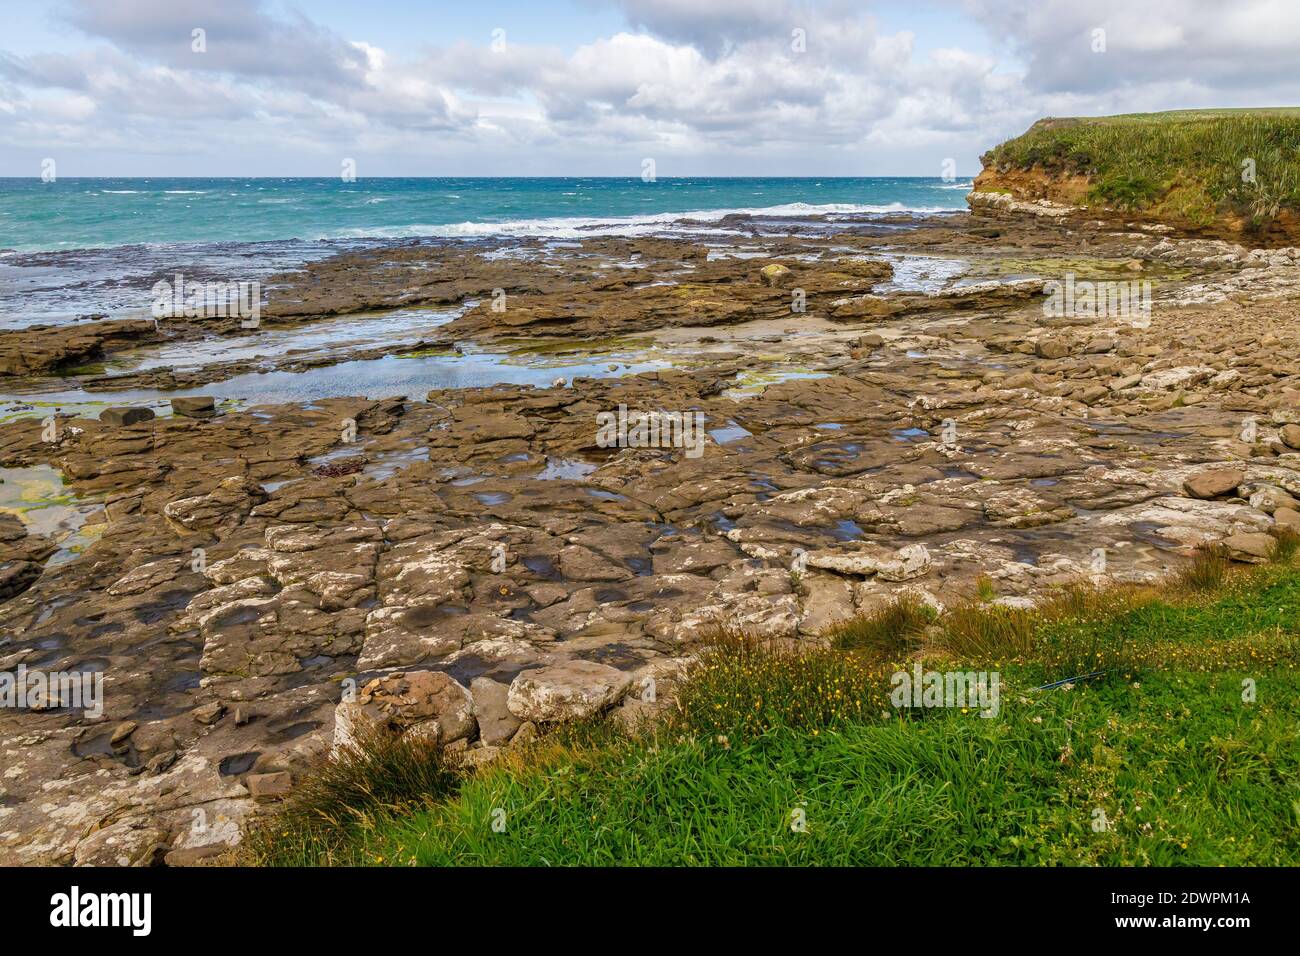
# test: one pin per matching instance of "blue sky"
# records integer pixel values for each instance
(593, 87)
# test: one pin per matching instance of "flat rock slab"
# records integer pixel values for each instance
(195, 406)
(568, 691)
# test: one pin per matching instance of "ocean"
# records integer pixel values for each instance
(92, 246)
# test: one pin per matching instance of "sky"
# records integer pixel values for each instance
(595, 87)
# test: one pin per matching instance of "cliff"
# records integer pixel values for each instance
(1232, 174)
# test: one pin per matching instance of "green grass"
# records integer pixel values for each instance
(896, 629)
(796, 757)
(1185, 164)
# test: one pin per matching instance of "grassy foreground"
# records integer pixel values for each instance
(1184, 751)
(1193, 165)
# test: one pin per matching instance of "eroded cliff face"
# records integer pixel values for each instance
(1013, 192)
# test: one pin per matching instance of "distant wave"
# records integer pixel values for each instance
(562, 227)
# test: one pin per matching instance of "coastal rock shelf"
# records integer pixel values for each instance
(477, 562)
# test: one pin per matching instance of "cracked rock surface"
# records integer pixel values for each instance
(474, 563)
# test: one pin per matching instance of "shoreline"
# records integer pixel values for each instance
(327, 559)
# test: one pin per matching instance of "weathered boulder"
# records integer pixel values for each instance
(426, 703)
(269, 786)
(904, 564)
(496, 724)
(775, 274)
(1269, 498)
(1252, 547)
(120, 415)
(1184, 376)
(567, 691)
(195, 406)
(1287, 518)
(1052, 348)
(1213, 483)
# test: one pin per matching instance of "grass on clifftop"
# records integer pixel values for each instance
(1185, 751)
(1185, 164)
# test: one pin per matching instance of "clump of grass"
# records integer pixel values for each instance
(1288, 543)
(1207, 572)
(985, 589)
(380, 775)
(895, 630)
(984, 632)
(744, 687)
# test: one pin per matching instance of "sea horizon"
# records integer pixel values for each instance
(74, 213)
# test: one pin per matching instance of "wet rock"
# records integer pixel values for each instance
(219, 510)
(16, 577)
(119, 416)
(38, 349)
(16, 544)
(122, 731)
(146, 577)
(209, 713)
(195, 406)
(567, 691)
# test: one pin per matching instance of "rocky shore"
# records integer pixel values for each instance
(888, 406)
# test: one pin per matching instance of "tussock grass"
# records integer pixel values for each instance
(988, 632)
(896, 629)
(381, 775)
(1187, 164)
(1207, 572)
(1288, 545)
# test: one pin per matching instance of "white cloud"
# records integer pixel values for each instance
(718, 84)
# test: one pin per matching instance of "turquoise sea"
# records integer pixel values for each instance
(82, 213)
(89, 247)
